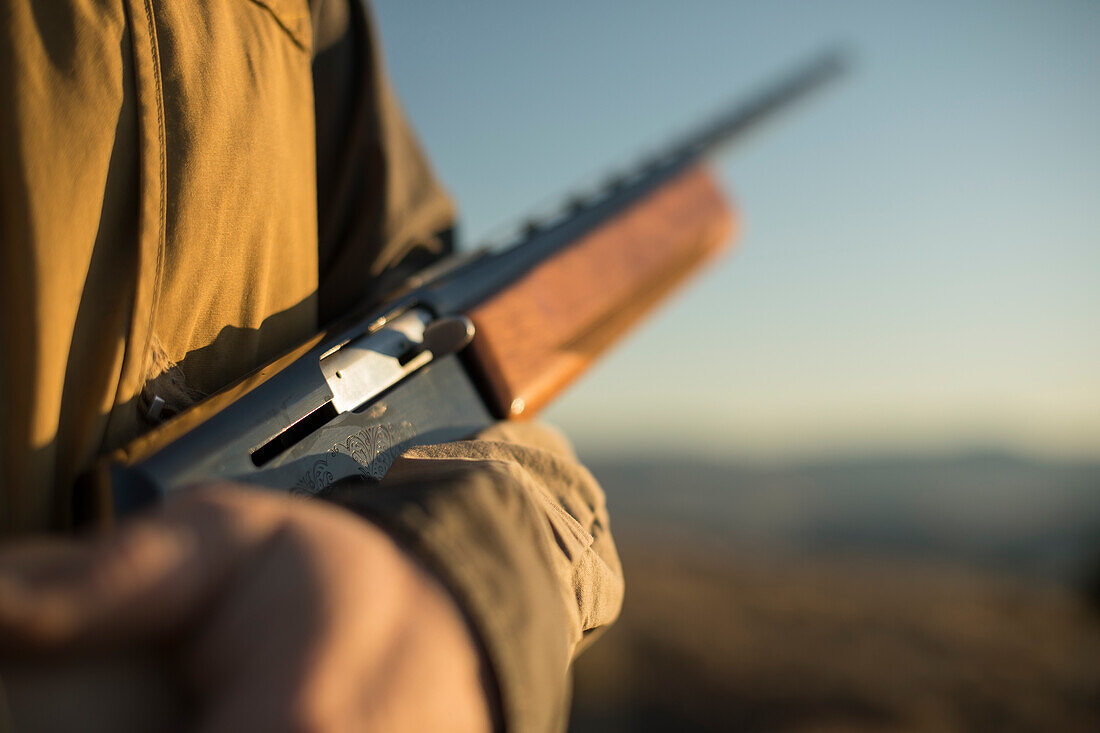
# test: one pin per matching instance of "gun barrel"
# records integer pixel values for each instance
(728, 124)
(480, 277)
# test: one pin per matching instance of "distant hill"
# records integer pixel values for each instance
(985, 508)
(714, 641)
(935, 593)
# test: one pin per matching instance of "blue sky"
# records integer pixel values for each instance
(919, 265)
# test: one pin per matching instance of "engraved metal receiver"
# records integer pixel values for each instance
(344, 408)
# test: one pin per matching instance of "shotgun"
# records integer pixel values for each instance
(476, 337)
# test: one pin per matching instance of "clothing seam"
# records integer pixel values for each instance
(162, 144)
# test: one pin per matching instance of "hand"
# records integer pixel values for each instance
(232, 609)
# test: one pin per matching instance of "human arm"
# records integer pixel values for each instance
(511, 523)
(241, 610)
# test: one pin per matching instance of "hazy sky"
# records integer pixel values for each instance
(919, 265)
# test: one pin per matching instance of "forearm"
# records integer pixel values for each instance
(519, 533)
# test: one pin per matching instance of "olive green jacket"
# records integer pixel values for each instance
(190, 189)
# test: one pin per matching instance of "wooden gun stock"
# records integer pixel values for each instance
(540, 333)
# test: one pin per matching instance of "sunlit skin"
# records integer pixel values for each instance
(231, 609)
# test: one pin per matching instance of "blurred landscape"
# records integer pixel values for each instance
(916, 275)
(942, 592)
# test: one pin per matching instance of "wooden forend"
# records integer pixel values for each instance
(538, 335)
